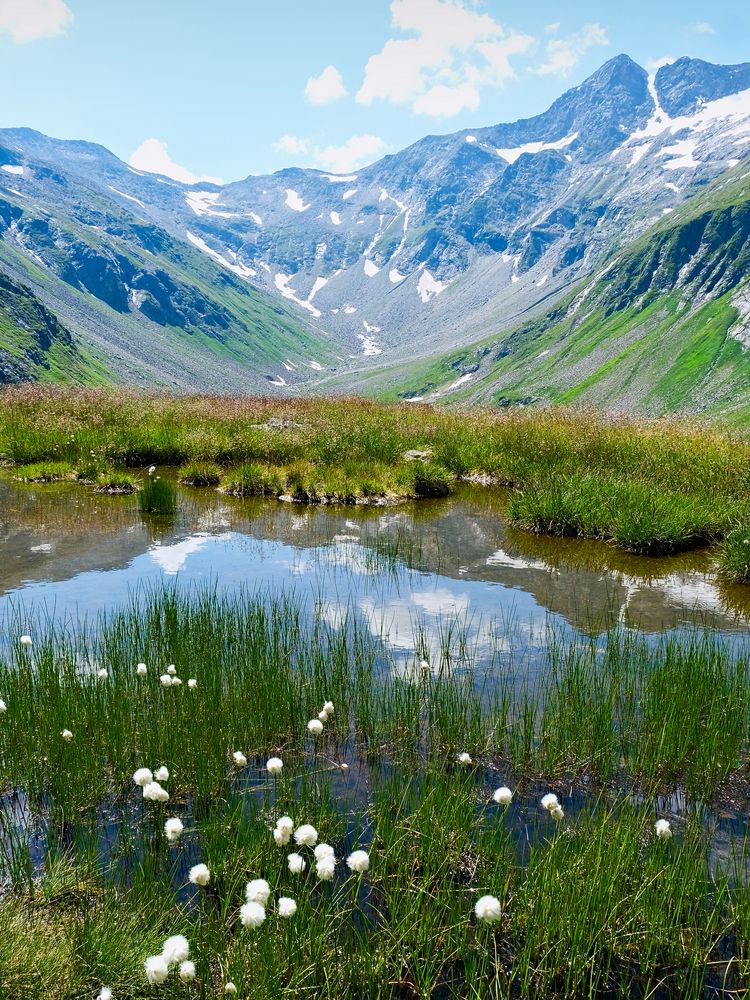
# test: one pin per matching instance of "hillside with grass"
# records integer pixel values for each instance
(658, 329)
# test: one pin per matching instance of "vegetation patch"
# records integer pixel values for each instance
(734, 555)
(43, 472)
(158, 496)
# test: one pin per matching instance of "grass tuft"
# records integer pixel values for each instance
(158, 496)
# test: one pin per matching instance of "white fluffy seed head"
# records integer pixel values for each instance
(102, 673)
(285, 823)
(325, 868)
(557, 813)
(176, 682)
(550, 801)
(165, 680)
(239, 758)
(464, 758)
(176, 949)
(192, 683)
(274, 766)
(230, 989)
(287, 906)
(663, 829)
(281, 837)
(488, 908)
(199, 874)
(141, 670)
(252, 914)
(153, 792)
(143, 777)
(358, 861)
(297, 864)
(66, 735)
(503, 796)
(328, 707)
(3, 707)
(315, 726)
(257, 891)
(323, 851)
(105, 993)
(323, 716)
(157, 969)
(162, 774)
(172, 669)
(306, 835)
(187, 972)
(173, 829)
(25, 640)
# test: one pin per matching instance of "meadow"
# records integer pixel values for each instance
(648, 487)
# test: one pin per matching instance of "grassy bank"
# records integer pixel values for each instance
(591, 903)
(649, 486)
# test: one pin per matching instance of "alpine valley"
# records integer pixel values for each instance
(598, 252)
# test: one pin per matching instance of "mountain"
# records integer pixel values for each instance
(361, 280)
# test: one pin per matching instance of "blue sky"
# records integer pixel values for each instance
(234, 87)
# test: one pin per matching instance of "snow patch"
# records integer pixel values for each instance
(471, 139)
(511, 155)
(317, 285)
(428, 286)
(349, 309)
(282, 283)
(369, 327)
(459, 381)
(315, 365)
(682, 155)
(128, 196)
(413, 399)
(395, 276)
(340, 178)
(371, 269)
(335, 218)
(369, 348)
(542, 281)
(276, 381)
(10, 168)
(294, 201)
(672, 187)
(349, 194)
(256, 218)
(237, 267)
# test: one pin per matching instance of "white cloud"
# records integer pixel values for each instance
(457, 51)
(564, 54)
(327, 87)
(152, 156)
(27, 20)
(354, 153)
(291, 144)
(654, 64)
(552, 29)
(704, 28)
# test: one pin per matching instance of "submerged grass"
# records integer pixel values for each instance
(157, 496)
(650, 486)
(592, 905)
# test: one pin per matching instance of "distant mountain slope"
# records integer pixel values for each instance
(660, 327)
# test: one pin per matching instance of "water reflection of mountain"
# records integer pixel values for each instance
(56, 532)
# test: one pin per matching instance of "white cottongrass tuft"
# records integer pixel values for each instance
(151, 470)
(306, 835)
(176, 949)
(187, 971)
(325, 868)
(328, 707)
(3, 707)
(503, 796)
(239, 758)
(141, 670)
(199, 874)
(323, 716)
(162, 774)
(143, 777)
(358, 861)
(281, 837)
(663, 829)
(66, 735)
(192, 683)
(176, 682)
(25, 640)
(315, 726)
(557, 813)
(464, 758)
(172, 669)
(153, 792)
(105, 993)
(102, 673)
(488, 908)
(257, 891)
(297, 864)
(287, 906)
(230, 989)
(165, 680)
(274, 766)
(323, 851)
(550, 802)
(157, 969)
(285, 823)
(252, 914)
(173, 829)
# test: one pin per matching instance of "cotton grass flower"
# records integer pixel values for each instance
(187, 972)
(176, 682)
(172, 669)
(173, 829)
(151, 470)
(274, 766)
(141, 670)
(503, 796)
(199, 875)
(281, 838)
(66, 735)
(105, 993)
(165, 680)
(323, 716)
(252, 914)
(143, 777)
(488, 909)
(287, 906)
(157, 969)
(315, 726)
(153, 792)
(176, 949)
(257, 891)
(662, 829)
(102, 674)
(192, 683)
(323, 851)
(162, 774)
(557, 813)
(359, 862)
(550, 801)
(306, 835)
(239, 758)
(3, 707)
(285, 823)
(464, 758)
(296, 863)
(230, 989)
(328, 708)
(325, 868)
(25, 640)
